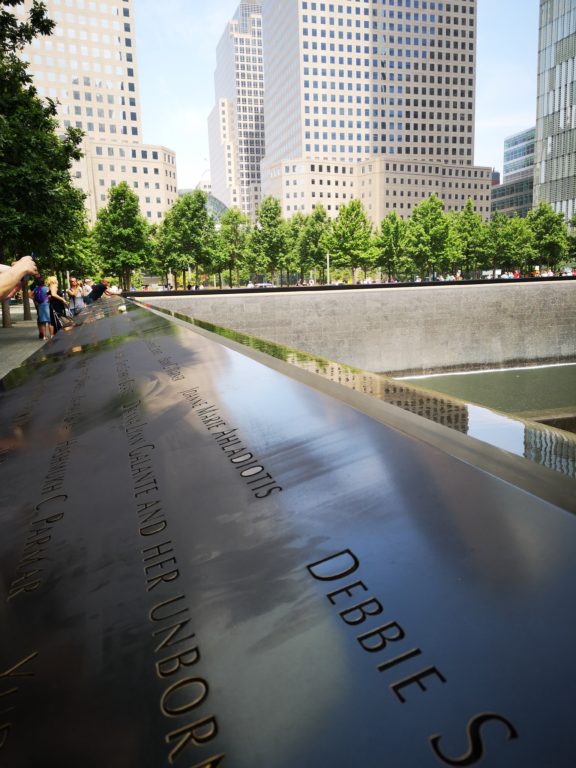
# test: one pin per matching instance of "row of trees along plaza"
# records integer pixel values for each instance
(42, 212)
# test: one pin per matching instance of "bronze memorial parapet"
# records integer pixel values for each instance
(206, 561)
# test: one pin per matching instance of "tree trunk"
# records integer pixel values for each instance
(6, 319)
(26, 302)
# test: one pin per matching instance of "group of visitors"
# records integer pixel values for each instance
(56, 309)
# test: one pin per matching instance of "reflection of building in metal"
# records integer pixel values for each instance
(441, 410)
(551, 449)
(438, 409)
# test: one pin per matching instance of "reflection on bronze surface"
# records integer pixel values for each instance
(544, 445)
(441, 410)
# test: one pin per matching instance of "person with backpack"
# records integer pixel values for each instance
(42, 303)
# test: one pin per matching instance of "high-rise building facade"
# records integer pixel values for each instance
(555, 161)
(236, 124)
(373, 99)
(515, 194)
(88, 66)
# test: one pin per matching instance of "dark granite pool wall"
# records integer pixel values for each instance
(420, 329)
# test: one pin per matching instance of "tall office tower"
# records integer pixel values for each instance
(236, 124)
(515, 194)
(371, 99)
(88, 66)
(555, 167)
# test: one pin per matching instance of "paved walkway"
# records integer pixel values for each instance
(18, 342)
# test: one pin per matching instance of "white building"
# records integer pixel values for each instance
(89, 67)
(236, 124)
(373, 99)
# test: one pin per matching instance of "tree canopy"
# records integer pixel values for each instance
(121, 234)
(38, 203)
(349, 238)
(428, 238)
(550, 234)
(186, 237)
(391, 246)
(233, 239)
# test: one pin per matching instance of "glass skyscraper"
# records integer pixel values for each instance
(515, 194)
(519, 155)
(555, 161)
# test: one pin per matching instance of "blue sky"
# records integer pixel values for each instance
(176, 73)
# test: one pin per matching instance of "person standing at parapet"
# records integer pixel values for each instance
(100, 289)
(58, 304)
(75, 296)
(40, 298)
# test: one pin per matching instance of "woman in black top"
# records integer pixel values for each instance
(58, 304)
(97, 291)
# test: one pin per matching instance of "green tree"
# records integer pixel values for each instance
(550, 235)
(472, 237)
(74, 249)
(520, 245)
(15, 33)
(429, 240)
(510, 243)
(290, 261)
(121, 234)
(350, 238)
(390, 244)
(497, 243)
(312, 244)
(187, 236)
(269, 240)
(36, 193)
(233, 240)
(38, 204)
(571, 251)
